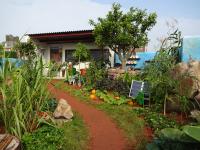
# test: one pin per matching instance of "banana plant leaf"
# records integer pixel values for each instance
(174, 134)
(192, 131)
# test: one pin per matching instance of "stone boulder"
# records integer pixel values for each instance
(195, 114)
(192, 68)
(63, 110)
(194, 71)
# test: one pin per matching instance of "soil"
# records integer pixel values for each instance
(2, 128)
(180, 118)
(104, 134)
(148, 132)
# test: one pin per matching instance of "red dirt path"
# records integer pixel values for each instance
(104, 135)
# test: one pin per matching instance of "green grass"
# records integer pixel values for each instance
(70, 136)
(122, 115)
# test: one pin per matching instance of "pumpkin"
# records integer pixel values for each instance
(92, 97)
(93, 91)
(117, 97)
(130, 103)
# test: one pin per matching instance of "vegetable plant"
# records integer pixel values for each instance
(108, 98)
(156, 120)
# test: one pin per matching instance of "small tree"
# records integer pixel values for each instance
(160, 73)
(81, 53)
(26, 49)
(123, 32)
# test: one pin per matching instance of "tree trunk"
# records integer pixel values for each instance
(79, 71)
(123, 64)
(165, 103)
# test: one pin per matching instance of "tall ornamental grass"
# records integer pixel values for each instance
(23, 93)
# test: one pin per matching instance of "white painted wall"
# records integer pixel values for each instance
(69, 46)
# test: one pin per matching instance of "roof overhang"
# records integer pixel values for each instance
(64, 37)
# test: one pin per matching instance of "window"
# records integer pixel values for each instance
(97, 54)
(69, 55)
(55, 54)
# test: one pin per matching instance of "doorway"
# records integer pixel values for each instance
(55, 54)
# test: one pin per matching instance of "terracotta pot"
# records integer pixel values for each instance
(83, 72)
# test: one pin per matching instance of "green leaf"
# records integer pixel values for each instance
(171, 133)
(192, 131)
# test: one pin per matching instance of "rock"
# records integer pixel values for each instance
(63, 110)
(196, 115)
(197, 97)
(192, 68)
(9, 142)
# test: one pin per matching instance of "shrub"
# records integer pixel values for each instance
(116, 85)
(46, 137)
(95, 73)
(70, 136)
(156, 120)
(127, 77)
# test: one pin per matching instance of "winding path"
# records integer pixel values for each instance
(104, 135)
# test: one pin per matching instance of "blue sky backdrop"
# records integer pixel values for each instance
(33, 16)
